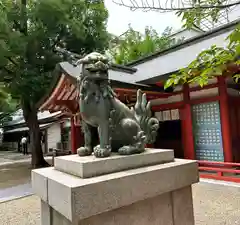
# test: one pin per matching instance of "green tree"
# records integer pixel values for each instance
(211, 62)
(30, 31)
(7, 104)
(133, 45)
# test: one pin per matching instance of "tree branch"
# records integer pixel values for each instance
(146, 6)
(24, 26)
(11, 60)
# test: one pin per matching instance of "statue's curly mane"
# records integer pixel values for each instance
(89, 88)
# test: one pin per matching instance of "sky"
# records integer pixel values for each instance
(120, 17)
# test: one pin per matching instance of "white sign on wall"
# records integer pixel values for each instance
(175, 114)
(159, 116)
(168, 115)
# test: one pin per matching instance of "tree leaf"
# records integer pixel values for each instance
(169, 83)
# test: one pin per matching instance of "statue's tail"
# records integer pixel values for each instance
(143, 114)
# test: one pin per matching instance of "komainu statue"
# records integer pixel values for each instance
(120, 129)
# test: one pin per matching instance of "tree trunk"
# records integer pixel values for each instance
(29, 110)
(35, 138)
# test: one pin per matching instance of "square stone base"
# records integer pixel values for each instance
(173, 208)
(154, 194)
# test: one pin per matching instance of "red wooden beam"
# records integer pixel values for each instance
(225, 120)
(54, 94)
(234, 100)
(73, 137)
(186, 124)
(204, 100)
(223, 170)
(208, 86)
(202, 162)
(192, 89)
(69, 95)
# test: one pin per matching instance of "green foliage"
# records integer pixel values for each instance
(209, 63)
(7, 104)
(27, 53)
(200, 10)
(134, 45)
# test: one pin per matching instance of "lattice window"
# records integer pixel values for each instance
(207, 132)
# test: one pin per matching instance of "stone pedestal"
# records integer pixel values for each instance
(150, 188)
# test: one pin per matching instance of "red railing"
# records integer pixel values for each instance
(220, 171)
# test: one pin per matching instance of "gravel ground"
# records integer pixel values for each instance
(24, 211)
(213, 205)
(216, 204)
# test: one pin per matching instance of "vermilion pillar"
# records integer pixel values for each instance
(187, 125)
(73, 137)
(225, 120)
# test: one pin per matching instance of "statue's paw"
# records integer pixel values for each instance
(129, 150)
(84, 151)
(102, 152)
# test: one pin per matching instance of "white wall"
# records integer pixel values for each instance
(53, 135)
(234, 14)
(186, 34)
(170, 99)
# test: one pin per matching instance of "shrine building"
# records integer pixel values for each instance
(200, 123)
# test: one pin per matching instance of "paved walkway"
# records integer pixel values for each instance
(12, 156)
(15, 175)
(16, 192)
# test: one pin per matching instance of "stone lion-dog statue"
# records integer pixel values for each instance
(120, 129)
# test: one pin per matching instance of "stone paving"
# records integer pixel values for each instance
(15, 192)
(12, 156)
(15, 175)
(214, 204)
